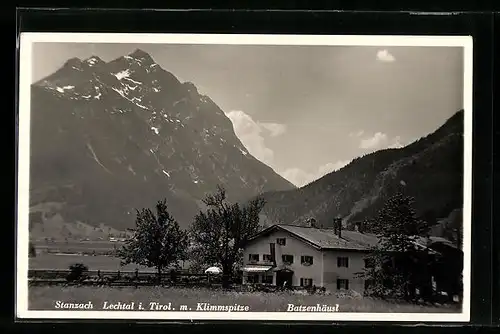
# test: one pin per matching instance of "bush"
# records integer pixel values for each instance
(78, 272)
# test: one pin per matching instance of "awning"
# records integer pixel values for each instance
(256, 269)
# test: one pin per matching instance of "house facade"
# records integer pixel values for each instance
(307, 256)
(328, 257)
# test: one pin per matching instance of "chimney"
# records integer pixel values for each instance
(337, 226)
(311, 222)
(339, 222)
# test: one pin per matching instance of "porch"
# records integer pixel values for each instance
(261, 274)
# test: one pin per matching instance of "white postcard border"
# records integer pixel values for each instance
(25, 42)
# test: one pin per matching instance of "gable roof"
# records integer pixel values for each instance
(324, 239)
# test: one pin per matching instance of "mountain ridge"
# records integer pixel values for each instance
(429, 168)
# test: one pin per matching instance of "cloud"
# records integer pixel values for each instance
(385, 56)
(300, 178)
(330, 167)
(380, 141)
(251, 134)
(275, 129)
(357, 134)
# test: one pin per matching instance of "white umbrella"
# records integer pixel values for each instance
(213, 270)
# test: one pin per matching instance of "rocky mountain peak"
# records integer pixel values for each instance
(94, 61)
(75, 61)
(112, 137)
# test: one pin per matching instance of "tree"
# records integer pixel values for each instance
(219, 234)
(398, 264)
(157, 240)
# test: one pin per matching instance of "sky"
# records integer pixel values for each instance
(305, 110)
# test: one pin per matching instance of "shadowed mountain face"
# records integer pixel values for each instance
(109, 138)
(430, 170)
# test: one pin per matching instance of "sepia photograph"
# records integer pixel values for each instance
(244, 177)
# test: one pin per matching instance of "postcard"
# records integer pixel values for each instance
(244, 177)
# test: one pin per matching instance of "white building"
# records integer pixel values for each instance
(307, 256)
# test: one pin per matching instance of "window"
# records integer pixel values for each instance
(253, 278)
(267, 279)
(306, 282)
(281, 241)
(342, 284)
(306, 260)
(342, 262)
(287, 258)
(253, 257)
(369, 263)
(267, 258)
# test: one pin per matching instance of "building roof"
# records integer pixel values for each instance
(326, 238)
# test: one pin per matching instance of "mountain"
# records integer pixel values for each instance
(111, 137)
(430, 170)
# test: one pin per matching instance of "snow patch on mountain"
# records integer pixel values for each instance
(92, 61)
(241, 150)
(122, 74)
(130, 79)
(94, 155)
(122, 93)
(62, 89)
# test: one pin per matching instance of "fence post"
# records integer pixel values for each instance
(118, 274)
(99, 274)
(136, 274)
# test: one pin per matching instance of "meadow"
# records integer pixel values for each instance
(44, 298)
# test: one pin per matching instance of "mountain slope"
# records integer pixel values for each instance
(430, 169)
(107, 138)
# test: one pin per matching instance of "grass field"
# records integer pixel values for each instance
(44, 298)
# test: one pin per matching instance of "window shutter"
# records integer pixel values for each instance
(347, 284)
(272, 251)
(338, 265)
(301, 282)
(347, 262)
(338, 284)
